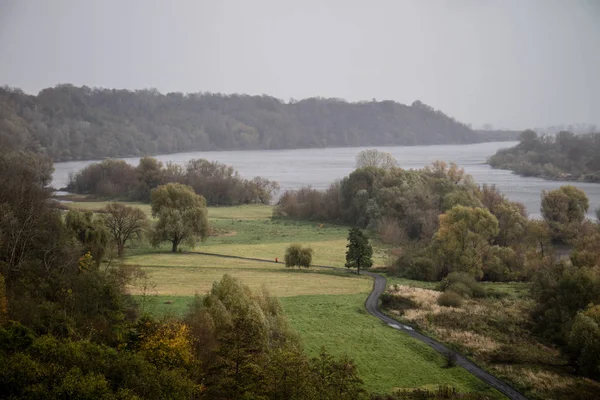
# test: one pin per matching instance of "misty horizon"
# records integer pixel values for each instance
(514, 64)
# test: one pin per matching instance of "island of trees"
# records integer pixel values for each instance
(565, 156)
(81, 123)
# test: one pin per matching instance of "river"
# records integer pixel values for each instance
(319, 167)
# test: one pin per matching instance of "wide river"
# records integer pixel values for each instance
(319, 167)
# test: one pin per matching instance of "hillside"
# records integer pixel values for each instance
(78, 123)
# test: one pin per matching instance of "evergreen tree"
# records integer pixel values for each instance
(359, 251)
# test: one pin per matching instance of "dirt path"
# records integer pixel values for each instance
(372, 306)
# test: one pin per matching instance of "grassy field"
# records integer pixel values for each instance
(387, 359)
(326, 307)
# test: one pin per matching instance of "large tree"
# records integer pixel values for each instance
(90, 232)
(564, 209)
(360, 251)
(464, 238)
(375, 158)
(124, 223)
(181, 213)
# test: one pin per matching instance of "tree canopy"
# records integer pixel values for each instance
(182, 215)
(80, 123)
(360, 252)
(564, 209)
(565, 156)
(124, 223)
(375, 158)
(298, 256)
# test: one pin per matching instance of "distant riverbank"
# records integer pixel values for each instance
(319, 167)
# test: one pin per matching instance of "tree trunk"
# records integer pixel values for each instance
(358, 266)
(120, 249)
(174, 248)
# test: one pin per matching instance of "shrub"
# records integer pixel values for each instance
(461, 289)
(416, 265)
(396, 302)
(298, 256)
(463, 284)
(450, 299)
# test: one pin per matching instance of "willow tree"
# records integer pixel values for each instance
(464, 239)
(182, 215)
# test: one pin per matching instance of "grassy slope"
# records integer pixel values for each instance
(325, 307)
(387, 359)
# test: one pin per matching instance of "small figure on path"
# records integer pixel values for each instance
(276, 260)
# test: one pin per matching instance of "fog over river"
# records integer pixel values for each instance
(319, 167)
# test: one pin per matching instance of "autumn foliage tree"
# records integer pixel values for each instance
(182, 215)
(564, 210)
(464, 239)
(90, 232)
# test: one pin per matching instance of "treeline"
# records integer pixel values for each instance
(69, 329)
(565, 156)
(446, 228)
(80, 123)
(220, 184)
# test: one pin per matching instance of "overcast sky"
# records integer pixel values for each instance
(510, 63)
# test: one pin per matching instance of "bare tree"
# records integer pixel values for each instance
(375, 158)
(124, 222)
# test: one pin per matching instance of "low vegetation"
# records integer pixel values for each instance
(219, 184)
(565, 156)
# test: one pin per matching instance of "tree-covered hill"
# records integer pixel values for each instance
(565, 156)
(77, 123)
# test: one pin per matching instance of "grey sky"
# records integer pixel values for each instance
(511, 63)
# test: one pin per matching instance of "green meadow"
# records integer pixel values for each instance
(325, 307)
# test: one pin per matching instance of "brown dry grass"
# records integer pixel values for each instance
(187, 281)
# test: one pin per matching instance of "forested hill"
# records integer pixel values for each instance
(76, 123)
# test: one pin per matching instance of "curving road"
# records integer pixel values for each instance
(372, 306)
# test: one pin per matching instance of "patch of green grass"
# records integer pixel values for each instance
(518, 290)
(245, 212)
(387, 359)
(163, 305)
(394, 280)
(249, 231)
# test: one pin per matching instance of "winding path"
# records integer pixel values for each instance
(372, 306)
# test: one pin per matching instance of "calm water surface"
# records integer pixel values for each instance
(319, 167)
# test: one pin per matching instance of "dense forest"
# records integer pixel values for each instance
(79, 123)
(566, 156)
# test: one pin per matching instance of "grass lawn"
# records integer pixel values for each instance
(249, 231)
(187, 281)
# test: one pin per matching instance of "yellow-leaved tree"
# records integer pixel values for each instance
(464, 239)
